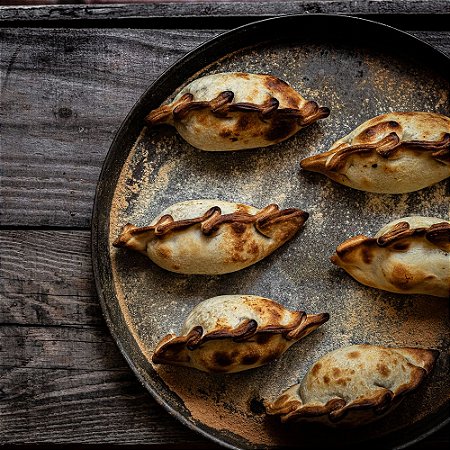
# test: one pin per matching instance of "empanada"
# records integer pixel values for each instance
(354, 385)
(408, 256)
(235, 111)
(232, 333)
(212, 237)
(391, 154)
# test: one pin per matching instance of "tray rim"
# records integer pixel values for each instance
(97, 214)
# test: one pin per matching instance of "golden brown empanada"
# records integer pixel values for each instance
(391, 154)
(354, 385)
(212, 237)
(408, 256)
(235, 111)
(232, 333)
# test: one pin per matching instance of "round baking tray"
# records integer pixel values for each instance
(359, 69)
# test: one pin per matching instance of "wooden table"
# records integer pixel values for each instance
(70, 74)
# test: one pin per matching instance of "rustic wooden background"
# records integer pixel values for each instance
(69, 76)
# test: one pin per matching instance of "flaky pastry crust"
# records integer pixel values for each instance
(250, 111)
(354, 385)
(408, 256)
(232, 333)
(213, 242)
(393, 153)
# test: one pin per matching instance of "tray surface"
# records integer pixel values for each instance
(369, 70)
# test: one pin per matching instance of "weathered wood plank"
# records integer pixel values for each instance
(65, 380)
(221, 8)
(46, 279)
(58, 348)
(84, 406)
(438, 39)
(64, 94)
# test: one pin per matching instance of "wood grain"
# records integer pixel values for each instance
(62, 377)
(205, 9)
(88, 406)
(58, 348)
(64, 94)
(46, 279)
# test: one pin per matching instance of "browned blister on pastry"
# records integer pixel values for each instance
(232, 333)
(354, 385)
(393, 153)
(235, 111)
(212, 237)
(409, 256)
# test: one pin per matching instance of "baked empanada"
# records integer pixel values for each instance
(235, 111)
(354, 385)
(212, 237)
(390, 154)
(232, 333)
(408, 256)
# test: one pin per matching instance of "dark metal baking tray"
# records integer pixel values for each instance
(358, 69)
